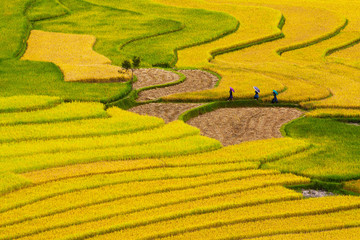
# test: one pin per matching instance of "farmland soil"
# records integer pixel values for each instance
(196, 80)
(311, 193)
(153, 76)
(235, 125)
(167, 111)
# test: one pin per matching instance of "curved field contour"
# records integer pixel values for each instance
(74, 55)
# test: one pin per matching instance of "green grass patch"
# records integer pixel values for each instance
(41, 78)
(140, 28)
(112, 27)
(336, 150)
(14, 27)
(45, 9)
(334, 187)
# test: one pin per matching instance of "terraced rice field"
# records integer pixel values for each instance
(181, 162)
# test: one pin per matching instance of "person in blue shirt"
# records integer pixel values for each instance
(256, 97)
(231, 95)
(274, 100)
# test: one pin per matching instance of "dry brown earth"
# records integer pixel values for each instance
(153, 76)
(235, 125)
(195, 80)
(167, 111)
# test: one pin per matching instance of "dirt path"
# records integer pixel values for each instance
(235, 125)
(195, 80)
(168, 111)
(153, 76)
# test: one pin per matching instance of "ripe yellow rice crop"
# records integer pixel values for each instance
(90, 179)
(62, 48)
(74, 55)
(318, 51)
(120, 122)
(247, 216)
(303, 24)
(173, 130)
(42, 200)
(151, 206)
(61, 112)
(183, 146)
(248, 31)
(267, 150)
(10, 181)
(334, 112)
(30, 102)
(329, 221)
(349, 55)
(297, 90)
(338, 234)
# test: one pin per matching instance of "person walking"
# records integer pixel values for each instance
(256, 97)
(231, 94)
(274, 100)
(257, 91)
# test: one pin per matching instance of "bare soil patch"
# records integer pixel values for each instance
(153, 76)
(196, 80)
(235, 125)
(167, 111)
(312, 193)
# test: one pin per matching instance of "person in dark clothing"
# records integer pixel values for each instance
(274, 100)
(256, 97)
(231, 95)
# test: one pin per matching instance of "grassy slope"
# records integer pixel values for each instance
(337, 155)
(14, 27)
(35, 78)
(39, 78)
(25, 78)
(200, 26)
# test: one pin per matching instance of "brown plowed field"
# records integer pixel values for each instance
(195, 80)
(235, 125)
(153, 76)
(167, 111)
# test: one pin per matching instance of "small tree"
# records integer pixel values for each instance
(127, 65)
(136, 61)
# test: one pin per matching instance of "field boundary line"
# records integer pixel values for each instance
(253, 219)
(325, 229)
(137, 195)
(161, 165)
(263, 173)
(219, 194)
(247, 44)
(34, 108)
(117, 132)
(341, 47)
(166, 138)
(116, 228)
(173, 63)
(314, 41)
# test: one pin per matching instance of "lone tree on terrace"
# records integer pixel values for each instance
(135, 64)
